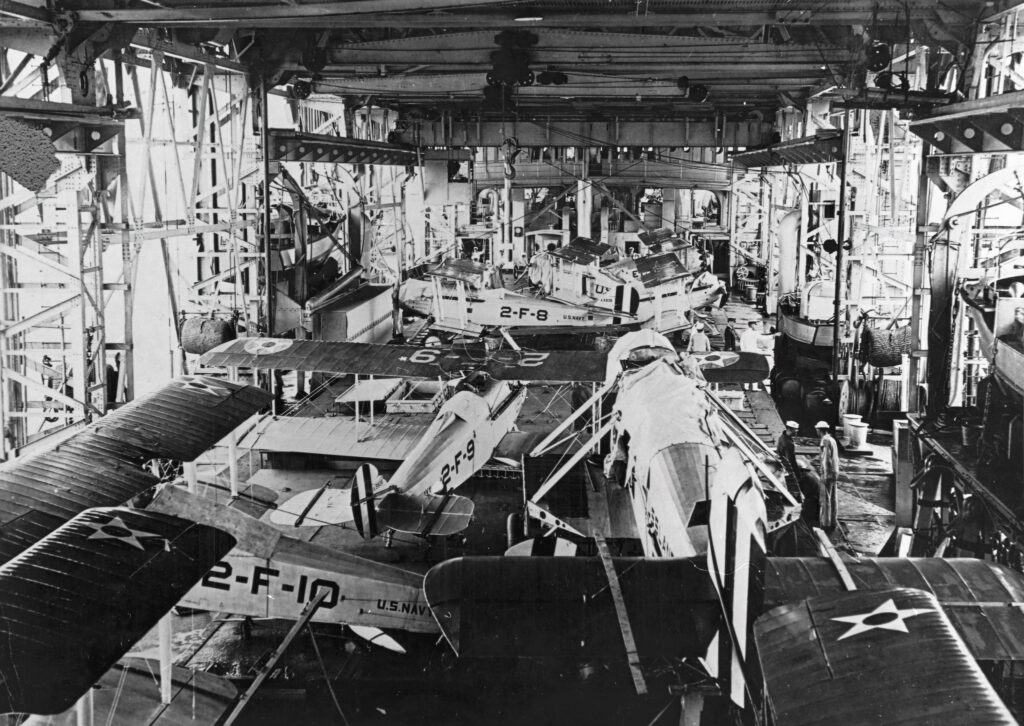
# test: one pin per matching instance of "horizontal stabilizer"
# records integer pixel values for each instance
(75, 602)
(882, 656)
(425, 514)
(561, 607)
(719, 367)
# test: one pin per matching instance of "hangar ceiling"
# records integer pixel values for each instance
(568, 59)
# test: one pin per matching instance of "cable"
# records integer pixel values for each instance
(323, 669)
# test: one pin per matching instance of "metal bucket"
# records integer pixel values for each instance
(848, 420)
(858, 435)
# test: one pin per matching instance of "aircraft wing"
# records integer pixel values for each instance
(408, 361)
(523, 607)
(76, 601)
(881, 656)
(101, 466)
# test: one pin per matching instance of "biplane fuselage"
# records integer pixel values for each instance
(679, 447)
(462, 438)
(469, 298)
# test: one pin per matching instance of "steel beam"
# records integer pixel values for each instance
(287, 145)
(540, 131)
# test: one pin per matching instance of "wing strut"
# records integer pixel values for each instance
(829, 550)
(271, 664)
(573, 460)
(620, 610)
(585, 407)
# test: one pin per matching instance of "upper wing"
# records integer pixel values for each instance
(882, 656)
(530, 607)
(74, 603)
(407, 361)
(101, 466)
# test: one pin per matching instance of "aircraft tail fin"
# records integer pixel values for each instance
(737, 559)
(364, 506)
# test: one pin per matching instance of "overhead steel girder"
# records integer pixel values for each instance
(554, 133)
(72, 128)
(669, 174)
(986, 126)
(447, 13)
(288, 145)
(823, 148)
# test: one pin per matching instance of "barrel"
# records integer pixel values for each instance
(858, 435)
(969, 434)
(200, 335)
(750, 292)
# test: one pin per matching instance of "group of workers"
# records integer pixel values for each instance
(818, 489)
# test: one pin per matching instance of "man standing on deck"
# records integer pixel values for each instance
(699, 340)
(750, 341)
(729, 334)
(829, 468)
(786, 449)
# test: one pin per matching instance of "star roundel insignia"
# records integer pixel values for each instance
(884, 617)
(716, 360)
(266, 346)
(202, 385)
(116, 529)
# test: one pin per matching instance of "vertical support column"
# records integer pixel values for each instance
(837, 326)
(79, 358)
(233, 437)
(267, 251)
(126, 371)
(917, 309)
(584, 206)
(191, 476)
(166, 667)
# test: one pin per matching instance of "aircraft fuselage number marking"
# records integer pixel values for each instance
(461, 458)
(507, 311)
(219, 577)
(525, 360)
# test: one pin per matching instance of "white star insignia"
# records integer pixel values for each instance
(115, 528)
(884, 617)
(195, 383)
(266, 346)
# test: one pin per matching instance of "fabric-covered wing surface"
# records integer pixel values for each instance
(72, 604)
(101, 466)
(881, 657)
(541, 607)
(407, 361)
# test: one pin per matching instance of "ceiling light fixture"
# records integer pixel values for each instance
(528, 15)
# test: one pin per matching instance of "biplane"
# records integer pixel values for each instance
(85, 575)
(578, 285)
(466, 431)
(788, 640)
